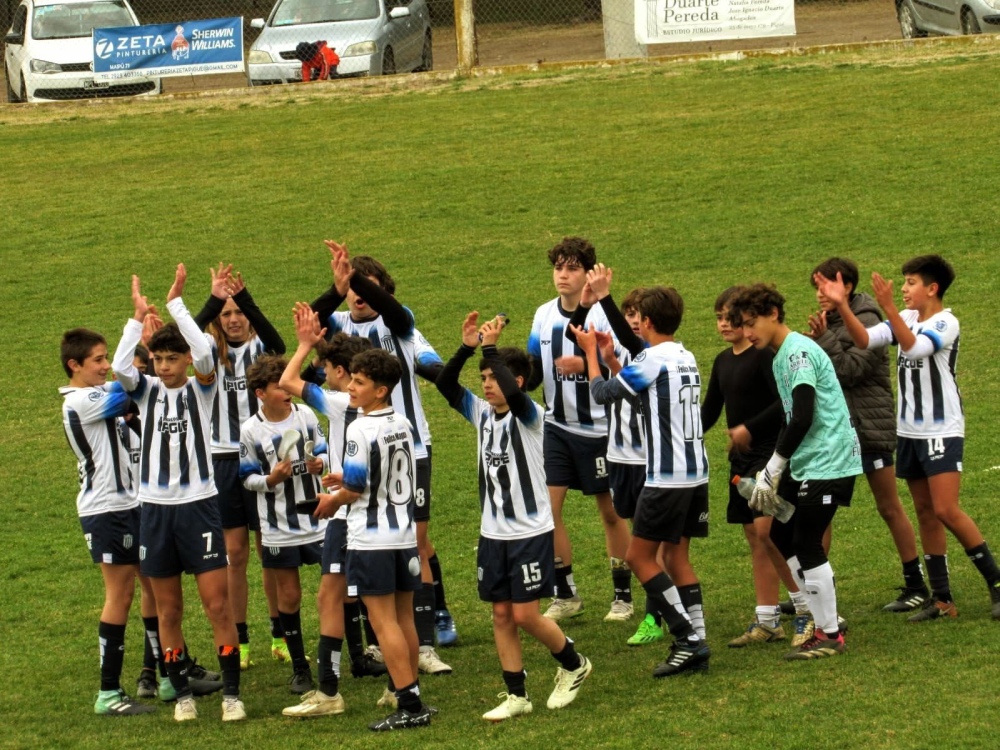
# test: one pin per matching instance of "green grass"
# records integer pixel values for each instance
(697, 176)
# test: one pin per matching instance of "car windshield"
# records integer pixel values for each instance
(296, 12)
(78, 19)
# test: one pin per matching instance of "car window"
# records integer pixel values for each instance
(78, 19)
(20, 20)
(295, 12)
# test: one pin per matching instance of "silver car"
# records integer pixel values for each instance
(49, 50)
(371, 37)
(918, 18)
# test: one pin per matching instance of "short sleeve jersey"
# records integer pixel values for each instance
(830, 449)
(626, 428)
(234, 402)
(280, 524)
(513, 498)
(928, 403)
(335, 406)
(568, 403)
(379, 464)
(97, 434)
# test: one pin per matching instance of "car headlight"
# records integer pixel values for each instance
(259, 57)
(41, 66)
(361, 48)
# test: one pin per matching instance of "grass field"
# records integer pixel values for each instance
(697, 175)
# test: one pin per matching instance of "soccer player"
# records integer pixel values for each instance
(576, 427)
(742, 383)
(338, 617)
(673, 504)
(374, 313)
(282, 454)
(180, 529)
(239, 333)
(515, 556)
(818, 447)
(864, 376)
(931, 423)
(383, 565)
(93, 416)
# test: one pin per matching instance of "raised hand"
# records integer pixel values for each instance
(340, 264)
(152, 323)
(817, 324)
(599, 280)
(235, 284)
(586, 339)
(605, 345)
(489, 332)
(177, 288)
(833, 289)
(307, 328)
(882, 289)
(139, 302)
(470, 329)
(220, 279)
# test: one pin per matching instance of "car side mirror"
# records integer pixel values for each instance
(399, 12)
(257, 23)
(14, 39)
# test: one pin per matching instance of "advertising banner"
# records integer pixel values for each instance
(664, 21)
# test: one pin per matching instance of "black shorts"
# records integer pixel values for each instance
(575, 461)
(919, 458)
(666, 514)
(177, 539)
(626, 482)
(291, 557)
(818, 491)
(113, 538)
(237, 504)
(377, 572)
(874, 461)
(738, 509)
(422, 495)
(335, 547)
(516, 570)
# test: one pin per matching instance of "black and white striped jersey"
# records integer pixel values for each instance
(234, 402)
(336, 407)
(626, 429)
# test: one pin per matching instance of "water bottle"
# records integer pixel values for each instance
(745, 485)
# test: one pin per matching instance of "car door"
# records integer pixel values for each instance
(14, 52)
(940, 15)
(405, 35)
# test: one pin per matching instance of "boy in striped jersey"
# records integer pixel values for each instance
(931, 423)
(515, 554)
(673, 504)
(383, 567)
(284, 475)
(93, 416)
(180, 529)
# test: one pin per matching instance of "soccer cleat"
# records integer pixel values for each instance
(513, 705)
(145, 686)
(301, 682)
(388, 699)
(444, 626)
(908, 600)
(185, 709)
(568, 683)
(403, 719)
(166, 690)
(198, 672)
(245, 662)
(995, 598)
(648, 632)
(200, 688)
(804, 628)
(428, 662)
(233, 709)
(366, 666)
(279, 650)
(620, 611)
(758, 632)
(684, 656)
(375, 653)
(818, 647)
(933, 609)
(316, 703)
(563, 609)
(116, 703)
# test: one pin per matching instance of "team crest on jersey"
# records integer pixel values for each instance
(94, 395)
(940, 326)
(351, 449)
(639, 357)
(388, 345)
(243, 451)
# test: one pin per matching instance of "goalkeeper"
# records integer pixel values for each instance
(816, 459)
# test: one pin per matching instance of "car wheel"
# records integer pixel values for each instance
(11, 96)
(388, 62)
(970, 25)
(427, 56)
(908, 21)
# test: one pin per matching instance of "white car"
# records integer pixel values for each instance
(49, 50)
(371, 37)
(918, 18)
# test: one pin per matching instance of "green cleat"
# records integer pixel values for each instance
(648, 632)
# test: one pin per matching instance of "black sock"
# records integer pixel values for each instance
(439, 600)
(276, 629)
(913, 576)
(982, 558)
(242, 632)
(515, 683)
(151, 656)
(667, 600)
(328, 663)
(370, 638)
(423, 614)
(409, 697)
(691, 598)
(652, 609)
(112, 642)
(177, 665)
(621, 577)
(937, 576)
(291, 628)
(352, 631)
(568, 658)
(229, 664)
(565, 589)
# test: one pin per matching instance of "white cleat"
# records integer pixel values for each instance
(232, 709)
(568, 683)
(316, 703)
(185, 709)
(620, 611)
(563, 609)
(513, 705)
(428, 662)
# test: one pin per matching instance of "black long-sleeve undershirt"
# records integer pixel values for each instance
(518, 401)
(266, 332)
(803, 411)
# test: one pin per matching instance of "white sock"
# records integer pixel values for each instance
(822, 593)
(769, 615)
